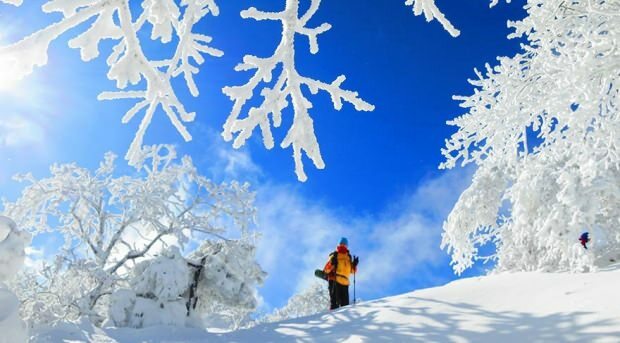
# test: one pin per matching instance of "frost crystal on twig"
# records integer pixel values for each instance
(128, 62)
(287, 88)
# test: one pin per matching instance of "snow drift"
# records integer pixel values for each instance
(519, 307)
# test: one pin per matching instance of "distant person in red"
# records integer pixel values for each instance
(338, 268)
(584, 239)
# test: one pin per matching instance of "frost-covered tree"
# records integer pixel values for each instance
(12, 244)
(543, 127)
(109, 222)
(312, 300)
(172, 290)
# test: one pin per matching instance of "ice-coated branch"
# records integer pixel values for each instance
(431, 11)
(128, 63)
(286, 90)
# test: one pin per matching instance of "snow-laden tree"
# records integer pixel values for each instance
(543, 127)
(12, 244)
(312, 300)
(173, 290)
(175, 21)
(128, 64)
(109, 222)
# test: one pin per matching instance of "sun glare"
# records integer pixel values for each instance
(9, 79)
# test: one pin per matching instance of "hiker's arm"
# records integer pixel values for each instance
(328, 267)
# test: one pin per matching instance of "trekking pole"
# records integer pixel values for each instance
(354, 298)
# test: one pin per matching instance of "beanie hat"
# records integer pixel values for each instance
(344, 241)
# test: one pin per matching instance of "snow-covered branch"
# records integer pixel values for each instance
(432, 12)
(286, 90)
(128, 63)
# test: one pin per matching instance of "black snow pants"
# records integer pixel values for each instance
(338, 295)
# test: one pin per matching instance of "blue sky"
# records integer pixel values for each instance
(381, 187)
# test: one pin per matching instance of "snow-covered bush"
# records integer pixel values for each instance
(172, 290)
(229, 275)
(543, 127)
(12, 244)
(109, 222)
(312, 300)
(155, 293)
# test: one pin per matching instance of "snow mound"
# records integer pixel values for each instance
(12, 244)
(518, 307)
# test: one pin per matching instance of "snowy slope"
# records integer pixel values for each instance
(521, 307)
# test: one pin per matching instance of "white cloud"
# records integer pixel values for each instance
(298, 234)
(236, 162)
(19, 131)
(223, 161)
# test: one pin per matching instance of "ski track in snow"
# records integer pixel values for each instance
(517, 307)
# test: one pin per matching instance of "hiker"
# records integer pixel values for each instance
(584, 239)
(338, 268)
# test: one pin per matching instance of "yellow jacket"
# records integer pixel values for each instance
(343, 266)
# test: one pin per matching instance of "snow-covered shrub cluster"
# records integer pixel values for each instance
(172, 290)
(109, 222)
(312, 300)
(154, 296)
(543, 127)
(12, 244)
(229, 273)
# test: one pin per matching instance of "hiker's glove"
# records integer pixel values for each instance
(356, 260)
